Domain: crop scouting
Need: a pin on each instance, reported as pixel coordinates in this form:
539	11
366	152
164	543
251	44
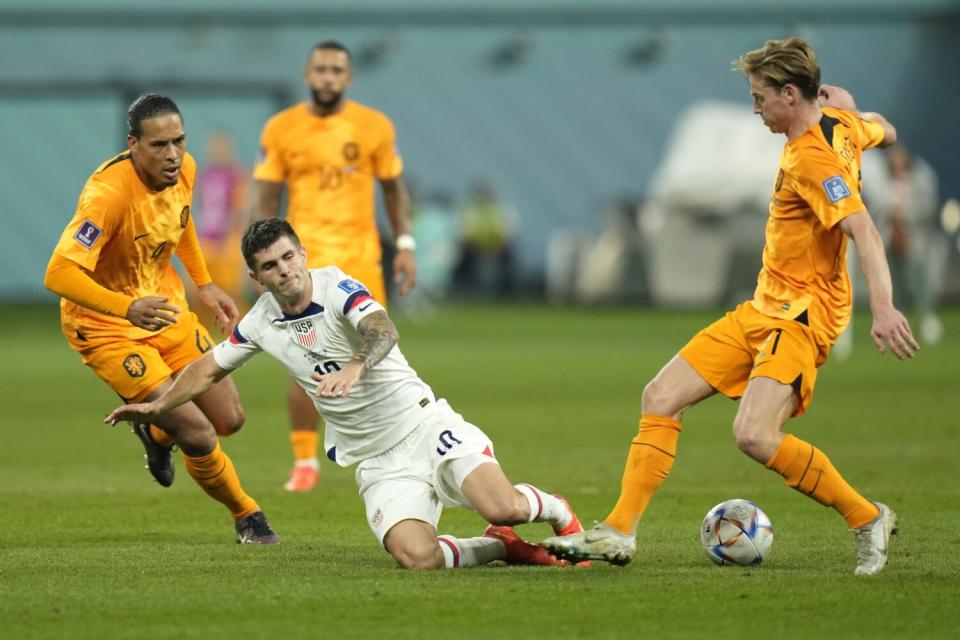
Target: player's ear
131	142
253	276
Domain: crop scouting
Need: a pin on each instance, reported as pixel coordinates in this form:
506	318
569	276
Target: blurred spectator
435	227
916	245
486	233
222	215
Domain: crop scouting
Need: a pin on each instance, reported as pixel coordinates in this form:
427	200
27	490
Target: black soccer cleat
159	460
254	529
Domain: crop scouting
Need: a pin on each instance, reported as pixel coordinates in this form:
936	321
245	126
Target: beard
328	103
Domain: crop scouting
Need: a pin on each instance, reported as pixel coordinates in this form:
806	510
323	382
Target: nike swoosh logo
142	235
364	307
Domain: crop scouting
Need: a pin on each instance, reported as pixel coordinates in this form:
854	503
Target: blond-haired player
328	151
123	307
767	351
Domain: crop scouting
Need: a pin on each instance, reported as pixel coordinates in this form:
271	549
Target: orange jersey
123	234
329	165
804	259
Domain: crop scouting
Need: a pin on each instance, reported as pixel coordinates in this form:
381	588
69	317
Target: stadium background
566	106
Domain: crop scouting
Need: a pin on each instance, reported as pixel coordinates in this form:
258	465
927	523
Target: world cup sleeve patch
88	234
836	188
350	286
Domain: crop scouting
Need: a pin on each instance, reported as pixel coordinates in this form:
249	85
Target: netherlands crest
184	216
134	365
305	333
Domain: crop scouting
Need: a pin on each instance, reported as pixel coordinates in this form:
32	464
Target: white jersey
384	406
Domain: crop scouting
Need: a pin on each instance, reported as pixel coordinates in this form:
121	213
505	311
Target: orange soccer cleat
303	477
519	551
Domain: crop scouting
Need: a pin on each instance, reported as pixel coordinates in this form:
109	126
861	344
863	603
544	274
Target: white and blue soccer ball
736	532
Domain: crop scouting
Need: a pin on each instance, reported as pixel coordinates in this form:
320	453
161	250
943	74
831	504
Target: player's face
282	269
158	152
773	105
328	75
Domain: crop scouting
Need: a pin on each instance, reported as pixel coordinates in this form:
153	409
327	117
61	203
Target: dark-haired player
328	151
123	307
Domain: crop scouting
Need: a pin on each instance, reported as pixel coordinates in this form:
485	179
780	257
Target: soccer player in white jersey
415	454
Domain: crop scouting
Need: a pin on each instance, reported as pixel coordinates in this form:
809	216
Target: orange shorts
135	368
746	344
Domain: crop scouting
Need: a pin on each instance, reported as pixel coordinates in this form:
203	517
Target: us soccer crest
305	333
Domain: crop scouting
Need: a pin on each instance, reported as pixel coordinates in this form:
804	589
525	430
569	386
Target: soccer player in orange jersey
328	151
123	307
767	351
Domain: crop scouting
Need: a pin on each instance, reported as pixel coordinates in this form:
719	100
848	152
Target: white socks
470	552
544	507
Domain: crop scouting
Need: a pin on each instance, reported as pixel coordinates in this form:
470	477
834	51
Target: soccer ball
736	532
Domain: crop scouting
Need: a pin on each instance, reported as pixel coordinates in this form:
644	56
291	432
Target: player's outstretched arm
379	337
890	328
196	379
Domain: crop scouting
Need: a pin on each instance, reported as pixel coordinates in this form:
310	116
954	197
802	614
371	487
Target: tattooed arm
379	337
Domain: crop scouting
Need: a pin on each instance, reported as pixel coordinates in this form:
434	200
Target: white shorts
421	474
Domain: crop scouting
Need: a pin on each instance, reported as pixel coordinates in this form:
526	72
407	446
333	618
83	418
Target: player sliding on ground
767	351
415	454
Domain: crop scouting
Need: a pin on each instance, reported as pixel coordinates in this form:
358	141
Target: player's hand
338	383
224	310
891	330
142	412
152	313
836	98
404	271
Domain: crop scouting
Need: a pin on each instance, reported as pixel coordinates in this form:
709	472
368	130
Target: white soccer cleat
871	541
602	542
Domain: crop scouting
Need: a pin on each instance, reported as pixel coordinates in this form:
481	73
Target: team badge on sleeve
836	188
350	286
88	234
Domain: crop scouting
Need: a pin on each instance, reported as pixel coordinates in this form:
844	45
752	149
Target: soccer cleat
519	551
573	527
302	478
871	541
602	542
254	529
159	460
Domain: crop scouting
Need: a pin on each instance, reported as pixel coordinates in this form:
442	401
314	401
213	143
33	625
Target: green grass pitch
90	547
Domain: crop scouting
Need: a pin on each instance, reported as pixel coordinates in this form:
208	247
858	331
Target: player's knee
228	421
196	440
752	439
509	510
657	399
419	557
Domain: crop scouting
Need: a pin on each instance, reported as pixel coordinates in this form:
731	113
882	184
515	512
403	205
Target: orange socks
650	459
809	471
160	436
215	474
304	444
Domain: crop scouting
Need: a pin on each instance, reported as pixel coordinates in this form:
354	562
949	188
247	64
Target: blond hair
782	62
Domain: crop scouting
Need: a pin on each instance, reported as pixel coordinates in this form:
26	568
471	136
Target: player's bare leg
672	391
211	467
413	544
503	504
765	407
221	405
304	438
